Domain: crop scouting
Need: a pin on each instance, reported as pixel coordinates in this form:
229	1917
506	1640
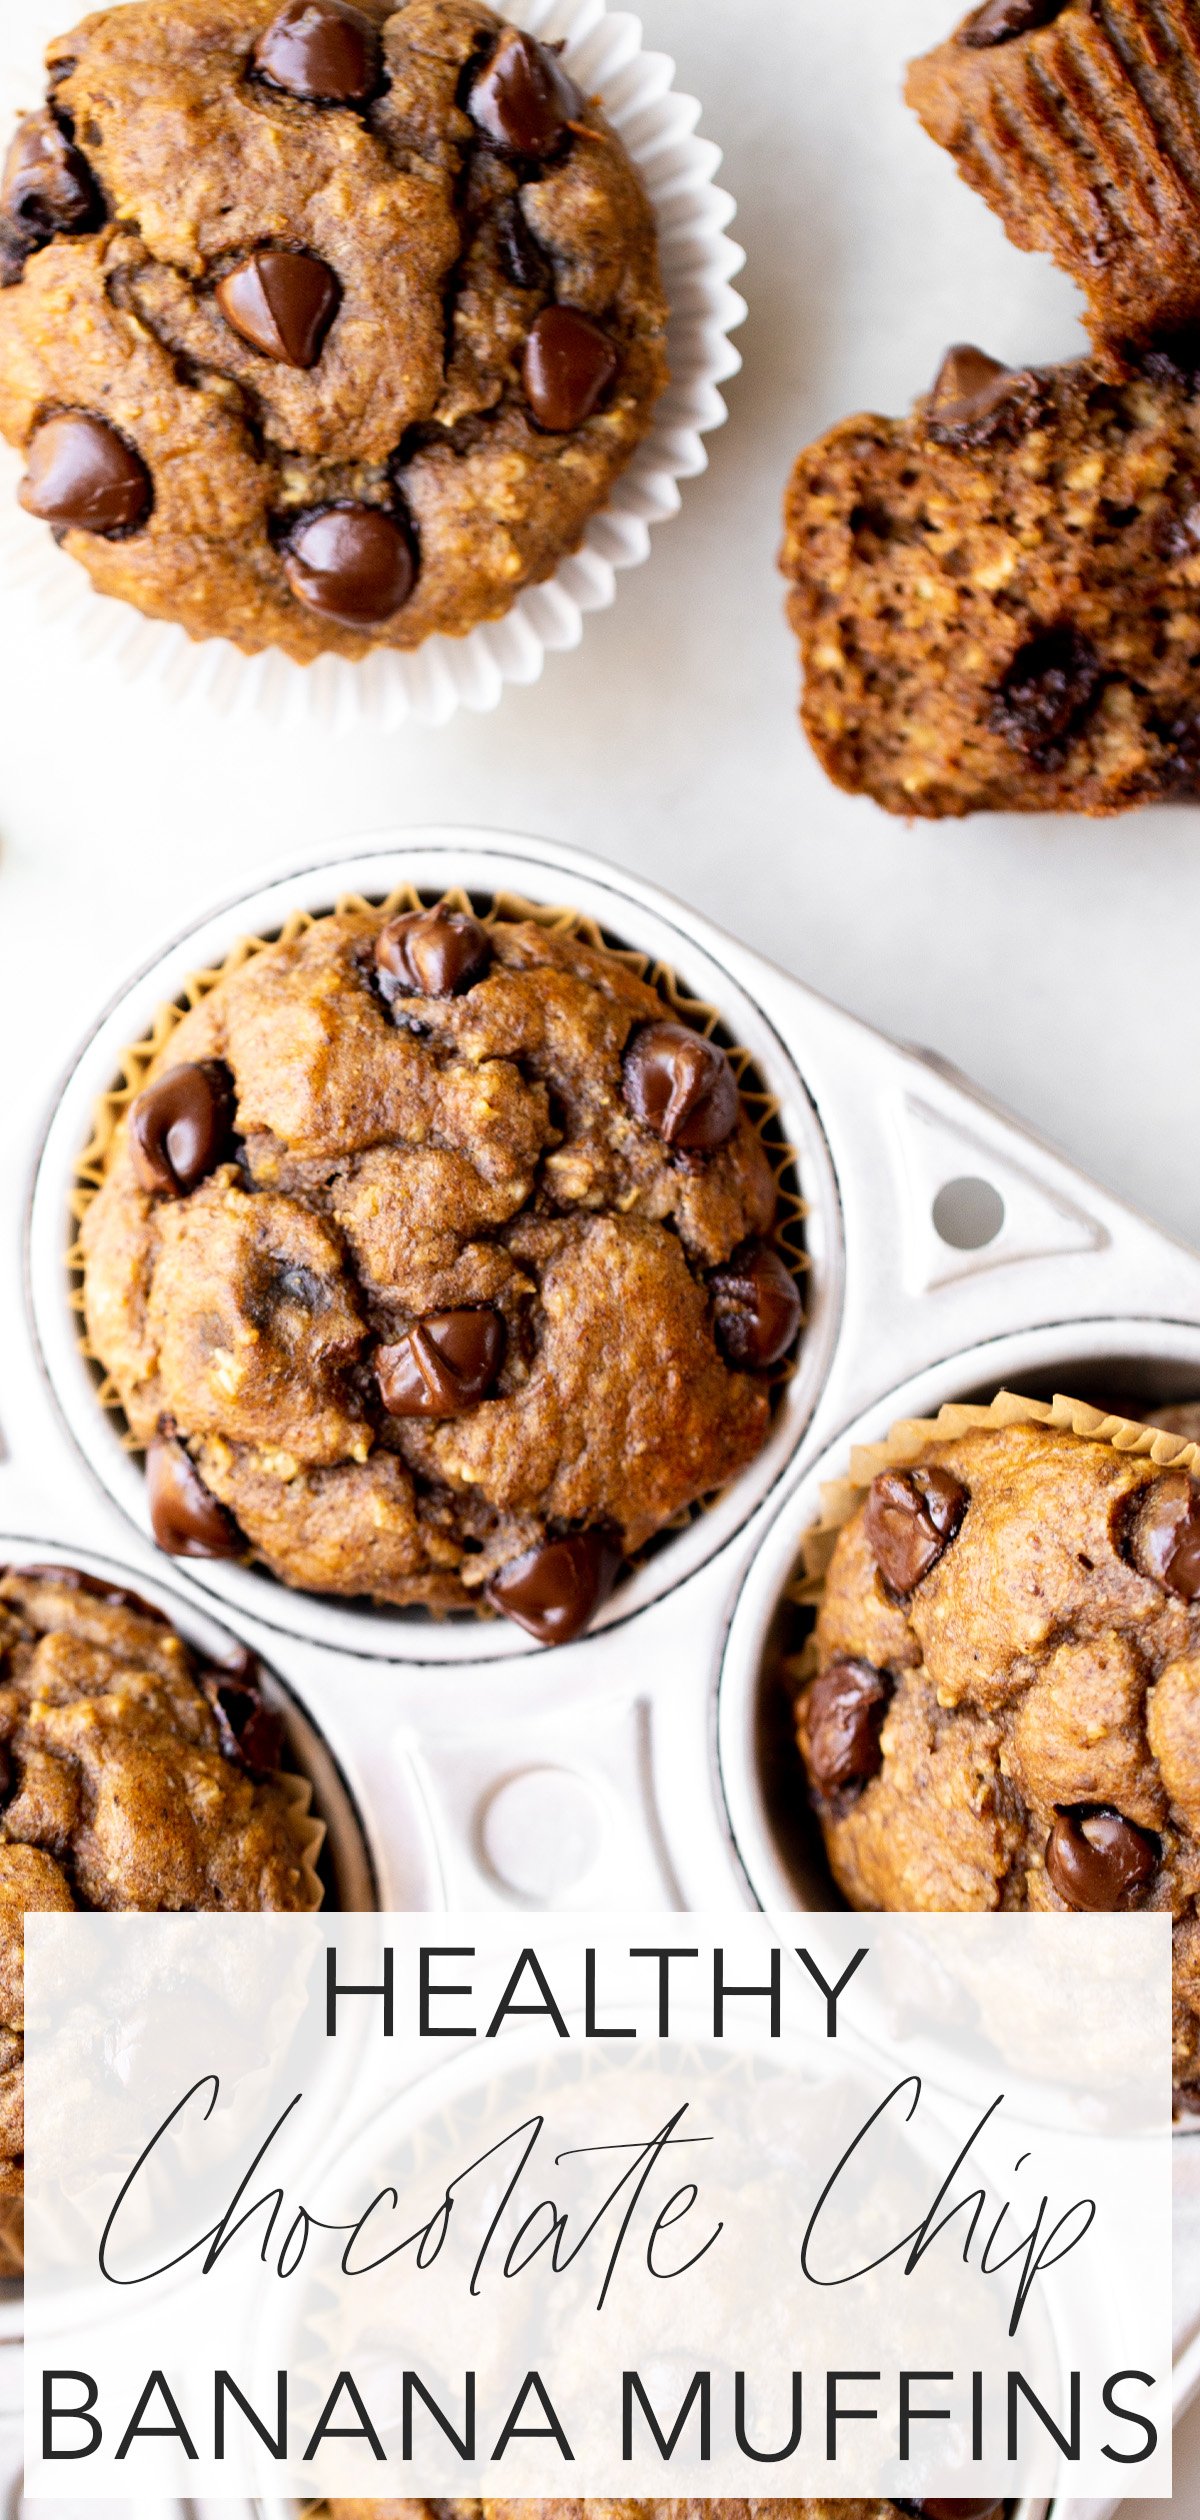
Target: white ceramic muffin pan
950	1252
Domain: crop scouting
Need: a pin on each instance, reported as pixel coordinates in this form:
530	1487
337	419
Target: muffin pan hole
968	1213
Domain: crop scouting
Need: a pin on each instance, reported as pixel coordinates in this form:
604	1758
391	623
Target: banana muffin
1079	123
432	1261
130	1777
1006	1707
934	2507
998	599
322	326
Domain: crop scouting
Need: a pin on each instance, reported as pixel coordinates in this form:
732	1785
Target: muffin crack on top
322	326
433	1262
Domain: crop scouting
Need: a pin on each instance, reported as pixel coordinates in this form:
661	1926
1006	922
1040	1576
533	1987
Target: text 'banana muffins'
1079	123
130	1777
934	2507
326	327
431	1262
1006	1712
998	599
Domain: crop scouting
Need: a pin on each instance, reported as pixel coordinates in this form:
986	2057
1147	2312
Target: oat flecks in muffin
129	1778
325	329
448	1297
998	599
1077	121
1030	1739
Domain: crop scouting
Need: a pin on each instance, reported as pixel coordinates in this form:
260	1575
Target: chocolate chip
524	100
7	1777
757	1307
520	253
443	1365
1046	693
554	1591
911	1518
1165	1534
569	365
250	1732
681	1086
955	2507
282	304
82	473
968	388
179	1127
73	1579
431	953
185	1519
1000	20
354	564
47	189
844	1715
321	50
1098	1861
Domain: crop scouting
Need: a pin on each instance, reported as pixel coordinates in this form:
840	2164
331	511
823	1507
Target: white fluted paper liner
699	260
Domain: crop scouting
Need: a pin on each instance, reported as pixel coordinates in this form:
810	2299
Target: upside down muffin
998	599
130	1777
433	1261
1006	1707
322	326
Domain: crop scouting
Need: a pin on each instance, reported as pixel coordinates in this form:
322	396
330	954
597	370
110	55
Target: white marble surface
1053	959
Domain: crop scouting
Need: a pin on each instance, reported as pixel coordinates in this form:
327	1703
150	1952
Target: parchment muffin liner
387	689
762	1108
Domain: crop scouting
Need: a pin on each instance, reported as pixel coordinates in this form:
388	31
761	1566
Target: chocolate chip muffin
432	1263
130	1777
1006	1707
976	2507
325	327
998	599
1079	123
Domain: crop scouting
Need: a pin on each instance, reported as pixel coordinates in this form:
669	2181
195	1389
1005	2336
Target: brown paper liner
908	1438
309	1833
760	1104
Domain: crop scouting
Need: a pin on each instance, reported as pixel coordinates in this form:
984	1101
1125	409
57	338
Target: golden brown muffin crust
1034	1676
444	250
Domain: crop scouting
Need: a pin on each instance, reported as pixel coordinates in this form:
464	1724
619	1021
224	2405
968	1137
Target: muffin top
129	1778
1007	1706
808	2508
430	1260
326	326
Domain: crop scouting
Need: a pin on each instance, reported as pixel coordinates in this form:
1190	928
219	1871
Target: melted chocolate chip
46	189
568	367
322	50
118	1597
1098	1861
443	1365
521	255
554	1591
757	1307
282	304
955	2507
82	473
681	1086
1046	694
179	1128
524	100
1164	1541
1000	20
968	389
250	1732
354	564
845	1711
431	953
186	1520
911	1518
